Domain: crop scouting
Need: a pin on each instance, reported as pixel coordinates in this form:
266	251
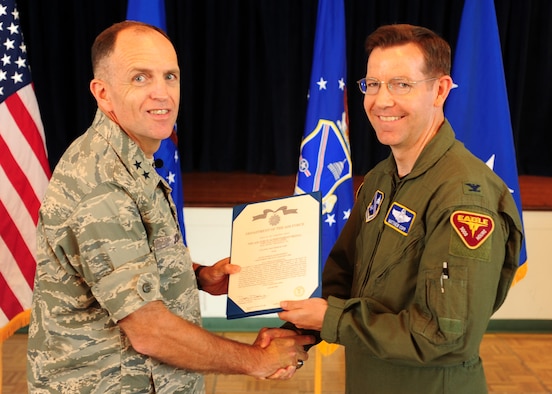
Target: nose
160	89
383	98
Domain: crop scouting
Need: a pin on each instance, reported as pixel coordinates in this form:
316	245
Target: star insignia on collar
146	174
138	164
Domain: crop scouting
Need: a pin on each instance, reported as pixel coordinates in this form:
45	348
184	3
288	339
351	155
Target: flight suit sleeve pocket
447	299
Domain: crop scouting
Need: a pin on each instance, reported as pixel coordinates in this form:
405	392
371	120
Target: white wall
530	298
208	231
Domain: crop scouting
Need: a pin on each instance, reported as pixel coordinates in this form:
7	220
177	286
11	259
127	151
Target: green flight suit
408	324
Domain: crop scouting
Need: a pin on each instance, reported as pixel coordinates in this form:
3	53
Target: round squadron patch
473	228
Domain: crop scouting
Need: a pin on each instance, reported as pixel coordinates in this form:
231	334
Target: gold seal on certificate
277	245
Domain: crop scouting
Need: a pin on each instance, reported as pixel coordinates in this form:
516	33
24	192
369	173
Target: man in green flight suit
431	246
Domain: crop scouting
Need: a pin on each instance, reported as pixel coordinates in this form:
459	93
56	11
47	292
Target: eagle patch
473	228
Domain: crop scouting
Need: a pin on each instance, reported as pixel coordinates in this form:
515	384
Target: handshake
276	352
284	353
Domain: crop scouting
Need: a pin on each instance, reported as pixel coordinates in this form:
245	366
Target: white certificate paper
277	245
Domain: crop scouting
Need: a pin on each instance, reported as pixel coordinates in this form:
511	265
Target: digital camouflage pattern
108	243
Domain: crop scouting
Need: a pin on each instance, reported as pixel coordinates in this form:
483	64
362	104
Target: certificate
277	245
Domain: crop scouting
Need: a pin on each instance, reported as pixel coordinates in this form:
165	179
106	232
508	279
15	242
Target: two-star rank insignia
473	228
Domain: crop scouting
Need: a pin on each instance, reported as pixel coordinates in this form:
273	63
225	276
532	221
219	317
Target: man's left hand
214	279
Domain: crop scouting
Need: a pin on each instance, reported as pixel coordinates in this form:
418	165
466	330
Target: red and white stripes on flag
24	174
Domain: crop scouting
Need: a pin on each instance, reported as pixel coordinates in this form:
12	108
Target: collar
132	157
432	152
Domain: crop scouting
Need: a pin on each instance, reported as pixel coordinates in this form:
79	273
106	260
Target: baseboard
521	326
254	324
251	324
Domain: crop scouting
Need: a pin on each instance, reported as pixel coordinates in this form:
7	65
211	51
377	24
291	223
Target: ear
99	90
443	90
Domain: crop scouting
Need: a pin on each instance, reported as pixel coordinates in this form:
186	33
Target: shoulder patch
400	218
473	228
372	210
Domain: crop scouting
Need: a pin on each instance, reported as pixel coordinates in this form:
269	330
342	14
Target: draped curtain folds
245	73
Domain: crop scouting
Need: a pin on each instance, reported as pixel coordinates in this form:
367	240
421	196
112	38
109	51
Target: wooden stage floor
514	363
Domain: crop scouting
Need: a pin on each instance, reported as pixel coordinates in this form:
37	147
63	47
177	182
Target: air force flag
325	162
168	167
478	108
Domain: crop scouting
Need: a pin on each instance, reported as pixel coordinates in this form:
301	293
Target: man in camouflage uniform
432	243
115	305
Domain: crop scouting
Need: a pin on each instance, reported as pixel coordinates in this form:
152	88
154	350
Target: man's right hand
285	348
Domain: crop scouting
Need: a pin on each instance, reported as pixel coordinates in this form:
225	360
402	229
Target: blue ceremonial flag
148	11
153	12
325	162
478	108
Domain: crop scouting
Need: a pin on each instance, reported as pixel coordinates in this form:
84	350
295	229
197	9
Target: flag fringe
520	273
327	349
19	321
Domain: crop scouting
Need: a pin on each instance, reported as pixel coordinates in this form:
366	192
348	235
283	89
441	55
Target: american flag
24	174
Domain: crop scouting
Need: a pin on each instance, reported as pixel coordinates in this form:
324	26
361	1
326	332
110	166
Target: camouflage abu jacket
108	243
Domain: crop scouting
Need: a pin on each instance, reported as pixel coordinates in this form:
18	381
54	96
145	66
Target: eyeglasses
395	85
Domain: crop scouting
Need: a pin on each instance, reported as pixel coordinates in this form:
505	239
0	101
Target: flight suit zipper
396	185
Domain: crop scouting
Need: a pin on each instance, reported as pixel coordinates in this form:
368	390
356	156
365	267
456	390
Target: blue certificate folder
279	223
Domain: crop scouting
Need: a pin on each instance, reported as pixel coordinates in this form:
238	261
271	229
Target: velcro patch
372	210
473	228
400	218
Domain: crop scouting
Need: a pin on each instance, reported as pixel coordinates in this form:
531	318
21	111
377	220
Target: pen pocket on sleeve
447	299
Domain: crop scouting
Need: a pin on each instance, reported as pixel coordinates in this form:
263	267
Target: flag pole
325	160
1	365
317	372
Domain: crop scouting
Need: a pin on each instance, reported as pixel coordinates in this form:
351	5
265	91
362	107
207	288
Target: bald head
104	44
137	81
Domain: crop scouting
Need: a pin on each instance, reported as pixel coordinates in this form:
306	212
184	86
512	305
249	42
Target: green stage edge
254	324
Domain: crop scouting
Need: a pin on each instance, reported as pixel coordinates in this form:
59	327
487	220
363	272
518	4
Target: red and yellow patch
473	228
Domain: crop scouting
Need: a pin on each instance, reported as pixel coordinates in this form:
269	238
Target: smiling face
406	122
138	86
